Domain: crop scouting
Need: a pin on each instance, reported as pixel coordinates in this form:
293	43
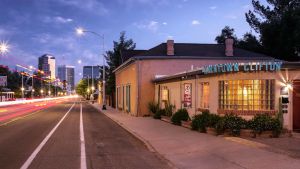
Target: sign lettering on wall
246	67
187	97
3	80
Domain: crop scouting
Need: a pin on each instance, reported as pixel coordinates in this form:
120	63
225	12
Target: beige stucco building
134	78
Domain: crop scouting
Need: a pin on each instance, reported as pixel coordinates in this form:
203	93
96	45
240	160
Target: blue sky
35	27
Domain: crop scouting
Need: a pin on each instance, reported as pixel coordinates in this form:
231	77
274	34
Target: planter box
186	124
166	119
265	134
211	131
247	133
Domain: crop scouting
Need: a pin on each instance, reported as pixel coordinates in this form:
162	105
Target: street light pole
81	31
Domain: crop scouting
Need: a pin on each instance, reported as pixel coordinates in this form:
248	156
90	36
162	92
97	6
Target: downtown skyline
33	28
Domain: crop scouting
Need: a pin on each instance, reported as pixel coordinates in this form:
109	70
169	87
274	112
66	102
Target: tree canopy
226	32
279	27
114	60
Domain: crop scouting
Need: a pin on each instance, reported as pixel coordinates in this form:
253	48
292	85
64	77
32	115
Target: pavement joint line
146	143
82	143
41	145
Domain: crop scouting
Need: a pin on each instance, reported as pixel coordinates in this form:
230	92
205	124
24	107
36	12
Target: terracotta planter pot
247	133
211	131
186	124
166	119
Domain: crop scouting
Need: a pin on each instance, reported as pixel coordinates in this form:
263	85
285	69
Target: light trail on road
11	111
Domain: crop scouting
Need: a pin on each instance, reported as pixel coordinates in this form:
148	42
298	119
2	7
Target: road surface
70	135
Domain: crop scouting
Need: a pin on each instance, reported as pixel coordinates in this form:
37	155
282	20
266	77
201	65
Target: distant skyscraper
87	72
47	64
67	73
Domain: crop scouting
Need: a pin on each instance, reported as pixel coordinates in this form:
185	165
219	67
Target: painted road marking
82	143
38	149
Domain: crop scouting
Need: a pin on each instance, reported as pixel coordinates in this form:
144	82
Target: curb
146	143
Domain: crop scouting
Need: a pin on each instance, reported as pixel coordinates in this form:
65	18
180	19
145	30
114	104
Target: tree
226	32
279	27
81	87
250	42
114	60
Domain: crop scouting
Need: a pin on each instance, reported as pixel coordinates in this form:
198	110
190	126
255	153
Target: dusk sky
35	27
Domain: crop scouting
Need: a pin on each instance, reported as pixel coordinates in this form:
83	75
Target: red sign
187	96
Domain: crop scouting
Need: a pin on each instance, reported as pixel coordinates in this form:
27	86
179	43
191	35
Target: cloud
149	25
165	23
56	19
195	22
62	20
213	7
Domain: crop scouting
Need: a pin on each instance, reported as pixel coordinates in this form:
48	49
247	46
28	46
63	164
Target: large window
246	94
204	95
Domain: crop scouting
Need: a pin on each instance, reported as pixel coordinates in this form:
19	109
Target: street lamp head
79	31
32	90
22	89
79	61
42	91
4	47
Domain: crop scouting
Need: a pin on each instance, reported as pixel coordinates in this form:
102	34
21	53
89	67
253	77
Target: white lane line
82	142
41	145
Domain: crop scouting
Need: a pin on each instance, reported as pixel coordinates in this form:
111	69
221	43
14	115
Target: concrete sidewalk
188	149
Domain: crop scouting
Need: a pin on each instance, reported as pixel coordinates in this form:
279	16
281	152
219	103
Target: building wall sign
246	67
187	97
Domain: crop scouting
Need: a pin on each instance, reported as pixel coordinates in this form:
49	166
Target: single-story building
134	78
244	89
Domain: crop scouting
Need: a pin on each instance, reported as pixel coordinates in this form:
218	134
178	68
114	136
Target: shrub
220	126
233	123
264	122
159	113
213	120
180	115
201	121
153	107
169	108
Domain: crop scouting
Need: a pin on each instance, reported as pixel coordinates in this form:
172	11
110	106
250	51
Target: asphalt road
71	135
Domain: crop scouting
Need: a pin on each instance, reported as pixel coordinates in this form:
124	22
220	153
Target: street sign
3	80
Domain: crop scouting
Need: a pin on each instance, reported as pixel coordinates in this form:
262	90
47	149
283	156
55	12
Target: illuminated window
246	94
204	94
165	94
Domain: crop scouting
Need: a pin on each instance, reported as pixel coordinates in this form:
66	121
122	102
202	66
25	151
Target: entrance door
296	105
